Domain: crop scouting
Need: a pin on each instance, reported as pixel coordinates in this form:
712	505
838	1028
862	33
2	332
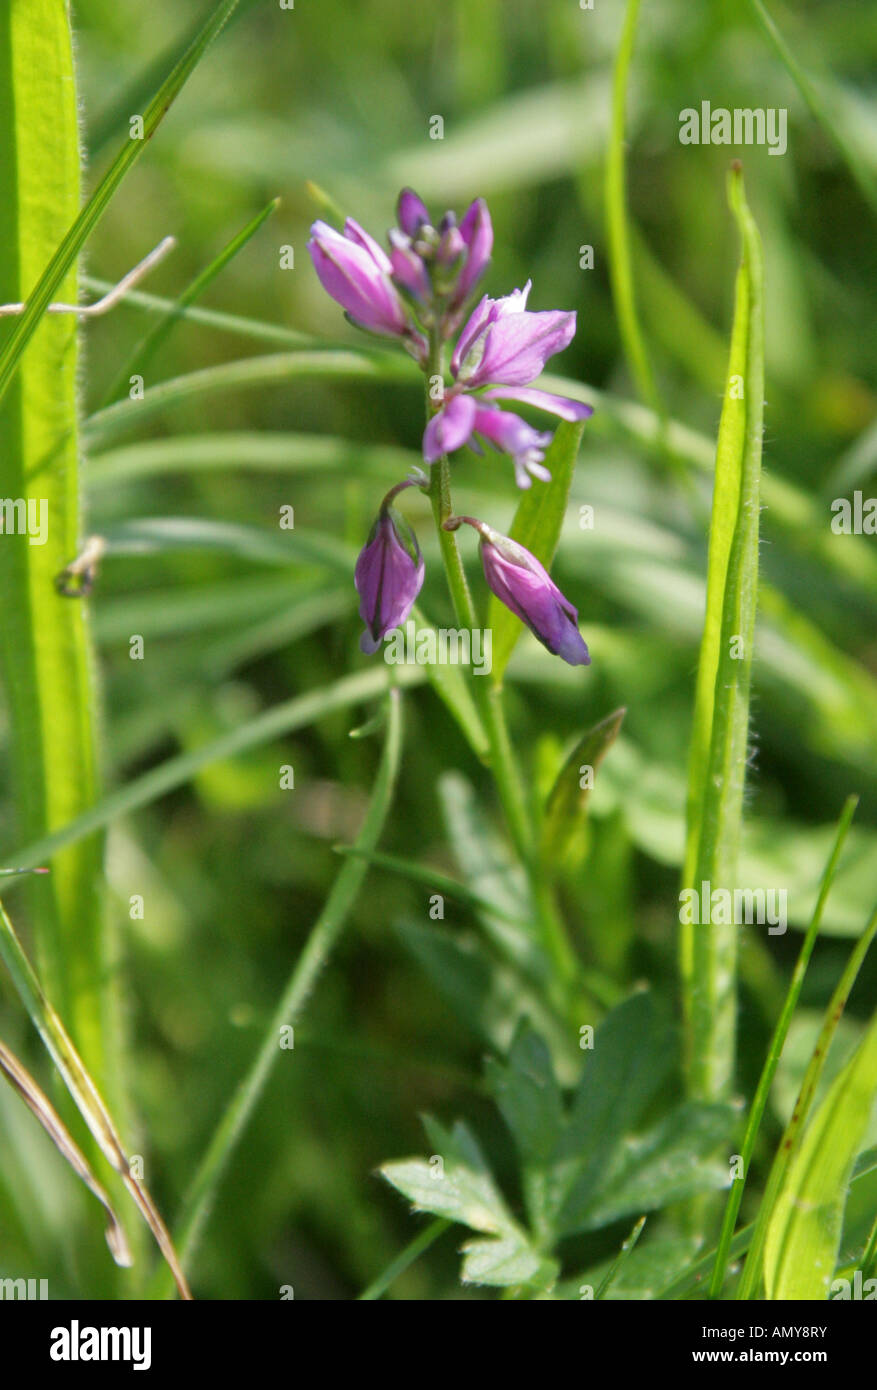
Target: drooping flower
504	346
524	585
357	273
389	573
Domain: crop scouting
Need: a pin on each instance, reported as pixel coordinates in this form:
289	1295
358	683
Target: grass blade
721	716
326	364
159	333
618	242
421	1242
792	1136
274	723
759	1103
320	943
803	1237
40	1106
818	108
83	1090
45	653
64	258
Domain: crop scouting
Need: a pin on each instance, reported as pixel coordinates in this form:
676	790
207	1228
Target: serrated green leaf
506	1262
631	1058
459	1187
537	525
665	1165
529	1098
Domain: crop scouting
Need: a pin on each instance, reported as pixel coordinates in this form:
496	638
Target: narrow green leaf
175	772
620	1260
421	1242
537	526
159	333
719	747
618	241
803	1238
566	807
321	941
328	364
820	107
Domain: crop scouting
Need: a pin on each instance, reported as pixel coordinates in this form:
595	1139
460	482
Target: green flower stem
488	696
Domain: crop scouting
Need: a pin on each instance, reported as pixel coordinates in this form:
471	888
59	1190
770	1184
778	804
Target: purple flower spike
525	586
476	231
389	574
356	272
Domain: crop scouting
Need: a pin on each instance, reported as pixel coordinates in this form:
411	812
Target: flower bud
388	576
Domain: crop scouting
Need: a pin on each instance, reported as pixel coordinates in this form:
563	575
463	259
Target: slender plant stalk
759	1103
421	1242
503	763
620	269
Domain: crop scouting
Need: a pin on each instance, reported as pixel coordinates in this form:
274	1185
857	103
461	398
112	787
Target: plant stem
488	696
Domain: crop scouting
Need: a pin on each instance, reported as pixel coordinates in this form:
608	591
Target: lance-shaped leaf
566	808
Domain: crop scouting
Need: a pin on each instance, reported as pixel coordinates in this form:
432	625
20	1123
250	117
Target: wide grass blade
721	715
45	652
804	1234
791	1140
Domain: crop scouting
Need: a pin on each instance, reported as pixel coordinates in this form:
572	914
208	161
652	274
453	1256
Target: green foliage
583	1164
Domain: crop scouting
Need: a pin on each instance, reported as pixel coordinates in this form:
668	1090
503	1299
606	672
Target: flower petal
411	212
450	428
561	406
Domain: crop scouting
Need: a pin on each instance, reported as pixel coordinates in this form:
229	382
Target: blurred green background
233	870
